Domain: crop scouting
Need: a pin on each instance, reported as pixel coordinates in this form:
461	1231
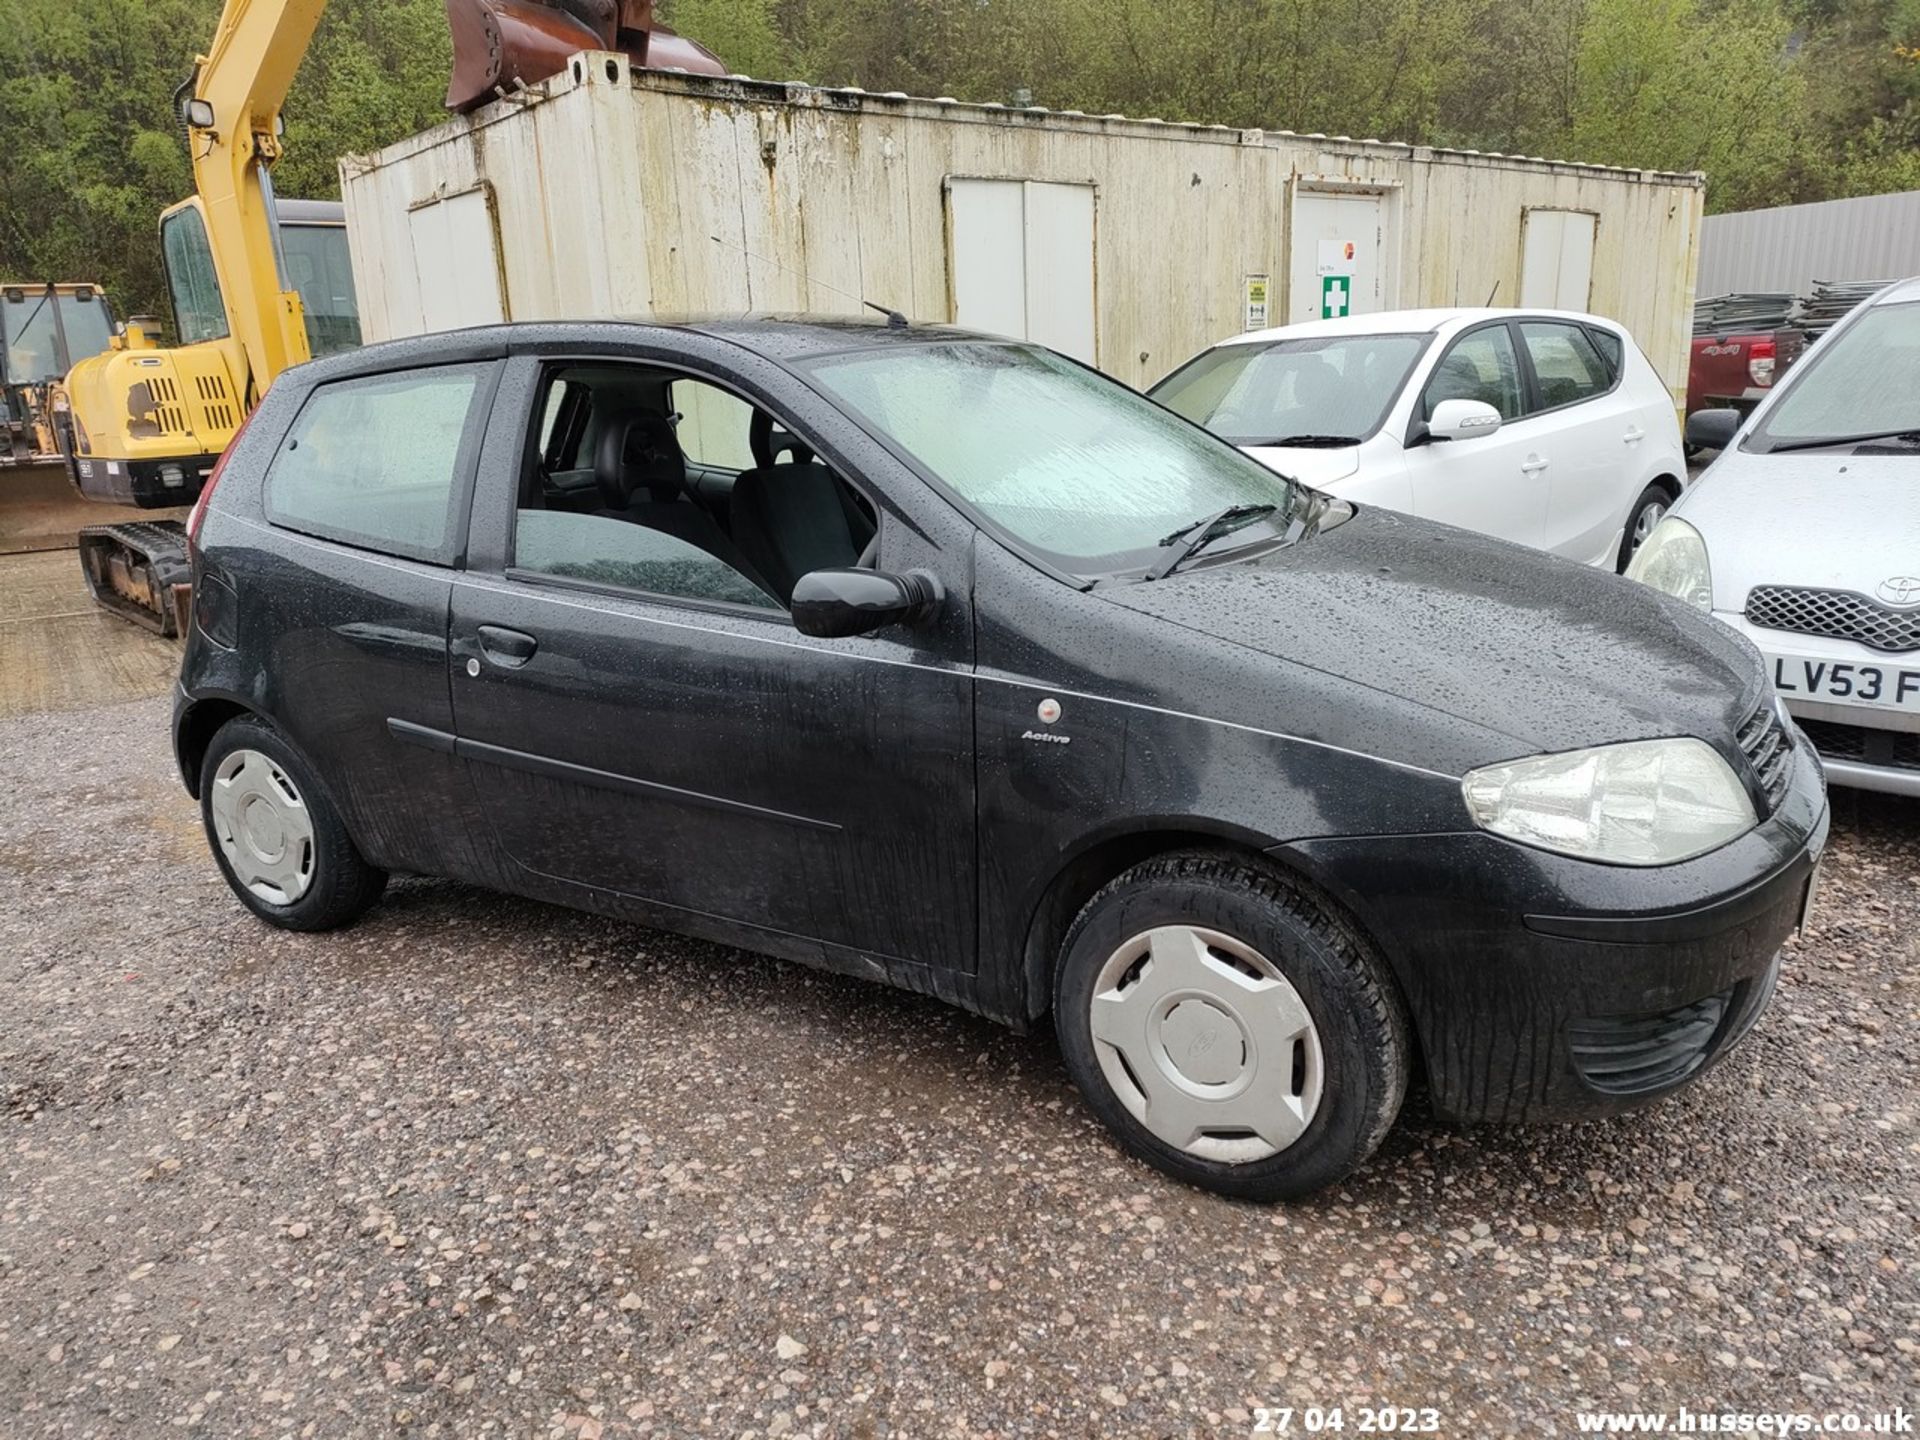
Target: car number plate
1848	682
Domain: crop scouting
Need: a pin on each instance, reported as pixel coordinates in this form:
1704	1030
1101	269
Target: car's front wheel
1229	1028
1647	513
277	838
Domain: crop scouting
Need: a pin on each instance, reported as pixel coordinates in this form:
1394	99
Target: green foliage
1777	100
94	152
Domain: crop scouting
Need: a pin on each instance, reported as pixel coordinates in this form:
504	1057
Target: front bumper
1863	746
1547	988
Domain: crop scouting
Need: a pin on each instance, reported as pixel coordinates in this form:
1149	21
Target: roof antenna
1493	292
895	320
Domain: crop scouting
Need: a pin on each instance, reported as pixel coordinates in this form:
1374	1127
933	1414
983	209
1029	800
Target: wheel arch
193	731
1104	858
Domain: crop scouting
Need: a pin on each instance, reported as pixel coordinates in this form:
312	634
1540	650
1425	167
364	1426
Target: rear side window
1480	366
379	462
1565	363
1610	348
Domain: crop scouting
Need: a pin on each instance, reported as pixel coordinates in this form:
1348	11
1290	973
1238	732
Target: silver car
1804	535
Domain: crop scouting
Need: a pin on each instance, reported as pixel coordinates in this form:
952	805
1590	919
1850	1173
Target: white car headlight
1648	802
1673	560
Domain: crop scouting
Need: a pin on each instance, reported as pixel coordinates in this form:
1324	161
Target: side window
1565	363
375	462
1610	348
1480	366
195	289
631	513
715	426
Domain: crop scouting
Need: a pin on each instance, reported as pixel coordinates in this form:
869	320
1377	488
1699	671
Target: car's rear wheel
1647	513
1229	1028
276	837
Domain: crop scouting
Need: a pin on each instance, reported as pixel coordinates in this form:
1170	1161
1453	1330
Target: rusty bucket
504	45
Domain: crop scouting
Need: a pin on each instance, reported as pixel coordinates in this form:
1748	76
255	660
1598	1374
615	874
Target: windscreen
1320	391
1865	383
88	324
27	326
1089	473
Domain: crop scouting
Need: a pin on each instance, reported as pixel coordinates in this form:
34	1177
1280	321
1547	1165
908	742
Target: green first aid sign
1336	296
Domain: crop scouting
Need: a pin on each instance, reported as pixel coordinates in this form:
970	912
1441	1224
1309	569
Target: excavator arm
231	107
145	424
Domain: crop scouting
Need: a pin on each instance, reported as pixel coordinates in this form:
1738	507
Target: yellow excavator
256	284
44	329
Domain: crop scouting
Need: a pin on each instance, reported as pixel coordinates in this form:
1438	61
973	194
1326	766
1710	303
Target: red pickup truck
1736	368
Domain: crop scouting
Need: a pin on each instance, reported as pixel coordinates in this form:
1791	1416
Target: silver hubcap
263	827
1207	1044
1649	517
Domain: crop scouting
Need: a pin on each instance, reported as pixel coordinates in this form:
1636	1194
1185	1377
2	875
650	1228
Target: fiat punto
946	662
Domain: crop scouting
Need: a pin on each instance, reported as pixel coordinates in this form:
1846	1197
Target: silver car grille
1836	614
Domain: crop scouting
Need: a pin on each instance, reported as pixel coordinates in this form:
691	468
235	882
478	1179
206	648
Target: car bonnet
1548	654
1826	520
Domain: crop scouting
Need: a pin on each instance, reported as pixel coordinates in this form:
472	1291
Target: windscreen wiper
1189	540
1308	442
1910	435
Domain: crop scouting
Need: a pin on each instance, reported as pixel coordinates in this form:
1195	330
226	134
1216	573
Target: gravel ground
481	1167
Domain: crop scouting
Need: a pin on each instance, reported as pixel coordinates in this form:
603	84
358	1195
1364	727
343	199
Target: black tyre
1229	1028
1648	511
276	836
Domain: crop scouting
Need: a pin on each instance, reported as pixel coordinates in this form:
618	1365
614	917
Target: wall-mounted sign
1336	257
1336	296
1258	291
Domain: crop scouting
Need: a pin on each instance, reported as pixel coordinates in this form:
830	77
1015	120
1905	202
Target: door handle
511	648
1635	435
1532	466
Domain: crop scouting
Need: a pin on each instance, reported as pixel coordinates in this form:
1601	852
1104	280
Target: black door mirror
830	604
1712	429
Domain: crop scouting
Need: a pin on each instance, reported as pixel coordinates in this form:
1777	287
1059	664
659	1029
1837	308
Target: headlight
1673	560
1650	802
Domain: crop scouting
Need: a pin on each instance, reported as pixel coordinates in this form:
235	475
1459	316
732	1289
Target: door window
198	313
1565	364
375	462
1480	366
612	496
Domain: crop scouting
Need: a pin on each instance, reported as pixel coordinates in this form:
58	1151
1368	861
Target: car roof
1407	322
1899	292
783	339
795	337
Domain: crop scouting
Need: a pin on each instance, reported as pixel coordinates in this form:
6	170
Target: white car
1805	537
1539	426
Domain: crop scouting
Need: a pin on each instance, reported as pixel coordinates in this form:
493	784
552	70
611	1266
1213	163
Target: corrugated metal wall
609	191
1872	237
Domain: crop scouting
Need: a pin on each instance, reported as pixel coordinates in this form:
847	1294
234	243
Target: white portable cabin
613	191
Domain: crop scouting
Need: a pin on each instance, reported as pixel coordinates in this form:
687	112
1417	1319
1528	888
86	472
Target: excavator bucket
500	46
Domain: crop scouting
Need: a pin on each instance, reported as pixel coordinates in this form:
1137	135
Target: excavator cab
44	330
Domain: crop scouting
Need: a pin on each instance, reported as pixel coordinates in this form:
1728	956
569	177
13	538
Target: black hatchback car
945	661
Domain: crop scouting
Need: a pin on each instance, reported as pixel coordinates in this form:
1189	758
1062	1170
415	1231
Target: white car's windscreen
1334	390
1864	385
